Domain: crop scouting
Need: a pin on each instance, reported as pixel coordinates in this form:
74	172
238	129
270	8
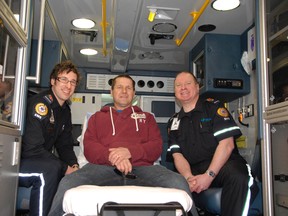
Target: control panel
228	83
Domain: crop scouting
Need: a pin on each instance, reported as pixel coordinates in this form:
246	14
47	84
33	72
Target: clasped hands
199	183
120	158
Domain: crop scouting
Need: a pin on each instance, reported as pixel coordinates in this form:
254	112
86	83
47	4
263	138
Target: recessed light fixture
88	51
83	23
225	5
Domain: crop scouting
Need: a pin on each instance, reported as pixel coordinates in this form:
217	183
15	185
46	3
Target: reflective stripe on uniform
226	130
40	175
250	183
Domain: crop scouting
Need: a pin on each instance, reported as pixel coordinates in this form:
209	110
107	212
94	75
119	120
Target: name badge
175	124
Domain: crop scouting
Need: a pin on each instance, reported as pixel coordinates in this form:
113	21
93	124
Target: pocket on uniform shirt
205	127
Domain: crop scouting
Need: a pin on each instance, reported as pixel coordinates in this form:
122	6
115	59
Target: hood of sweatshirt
134	112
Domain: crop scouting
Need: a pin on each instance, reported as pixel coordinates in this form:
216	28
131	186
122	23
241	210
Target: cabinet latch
281	177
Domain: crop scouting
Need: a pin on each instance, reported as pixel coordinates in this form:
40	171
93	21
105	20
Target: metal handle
16	150
40	45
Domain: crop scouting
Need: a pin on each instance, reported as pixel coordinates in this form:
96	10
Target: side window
8	62
13	46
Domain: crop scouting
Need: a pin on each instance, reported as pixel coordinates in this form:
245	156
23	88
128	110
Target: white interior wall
251	131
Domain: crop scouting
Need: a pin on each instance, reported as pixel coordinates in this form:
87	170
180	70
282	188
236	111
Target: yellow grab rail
195	15
104	25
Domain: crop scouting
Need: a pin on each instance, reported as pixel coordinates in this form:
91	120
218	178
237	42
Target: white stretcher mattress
88	199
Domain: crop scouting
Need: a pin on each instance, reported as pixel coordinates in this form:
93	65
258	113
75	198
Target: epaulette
48	98
212	100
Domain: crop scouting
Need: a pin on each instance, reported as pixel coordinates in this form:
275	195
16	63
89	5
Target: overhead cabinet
216	63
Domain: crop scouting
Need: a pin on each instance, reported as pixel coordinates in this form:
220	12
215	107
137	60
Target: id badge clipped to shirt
175	124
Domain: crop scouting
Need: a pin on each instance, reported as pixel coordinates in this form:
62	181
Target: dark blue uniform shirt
48	126
196	134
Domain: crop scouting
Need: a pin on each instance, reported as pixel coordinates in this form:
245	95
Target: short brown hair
122	76
65	66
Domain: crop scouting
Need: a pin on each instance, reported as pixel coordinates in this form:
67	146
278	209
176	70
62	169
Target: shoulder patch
222	112
41	109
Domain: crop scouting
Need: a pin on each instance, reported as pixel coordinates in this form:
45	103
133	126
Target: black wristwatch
211	173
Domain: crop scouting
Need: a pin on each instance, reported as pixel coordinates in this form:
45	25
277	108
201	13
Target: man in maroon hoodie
121	144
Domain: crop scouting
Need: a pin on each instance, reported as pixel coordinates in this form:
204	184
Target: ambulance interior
179	38
153	40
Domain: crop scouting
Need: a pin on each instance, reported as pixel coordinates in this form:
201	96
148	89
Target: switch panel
228	83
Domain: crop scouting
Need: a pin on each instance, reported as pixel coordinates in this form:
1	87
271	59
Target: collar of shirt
198	108
55	103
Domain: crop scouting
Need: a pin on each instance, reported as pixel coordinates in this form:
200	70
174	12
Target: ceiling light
225	5
83	23
152	14
88	51
162	15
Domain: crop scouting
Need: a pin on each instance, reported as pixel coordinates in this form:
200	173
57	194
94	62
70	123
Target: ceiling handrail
195	15
104	25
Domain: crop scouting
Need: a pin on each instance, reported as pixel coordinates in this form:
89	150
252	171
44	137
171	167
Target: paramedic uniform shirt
197	133
48	125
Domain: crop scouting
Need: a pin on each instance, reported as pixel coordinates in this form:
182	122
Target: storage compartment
216	63
279	146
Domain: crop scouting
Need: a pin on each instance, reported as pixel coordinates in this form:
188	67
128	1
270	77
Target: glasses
65	80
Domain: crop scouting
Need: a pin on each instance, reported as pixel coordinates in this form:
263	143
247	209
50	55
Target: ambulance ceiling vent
151	55
164	27
143	83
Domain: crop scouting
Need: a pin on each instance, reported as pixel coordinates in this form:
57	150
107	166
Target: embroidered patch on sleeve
222	112
41	109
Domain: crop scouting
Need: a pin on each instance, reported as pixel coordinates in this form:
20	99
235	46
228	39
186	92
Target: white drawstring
136	123
112	122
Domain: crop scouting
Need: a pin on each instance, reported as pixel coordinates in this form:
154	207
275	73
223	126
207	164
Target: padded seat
89	199
210	199
23	198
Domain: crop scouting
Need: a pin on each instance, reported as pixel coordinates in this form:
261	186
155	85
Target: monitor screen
163	108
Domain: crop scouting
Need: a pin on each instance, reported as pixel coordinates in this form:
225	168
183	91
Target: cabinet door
9	167
277	32
279	147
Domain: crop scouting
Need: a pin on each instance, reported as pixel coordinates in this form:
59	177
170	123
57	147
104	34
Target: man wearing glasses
47	134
